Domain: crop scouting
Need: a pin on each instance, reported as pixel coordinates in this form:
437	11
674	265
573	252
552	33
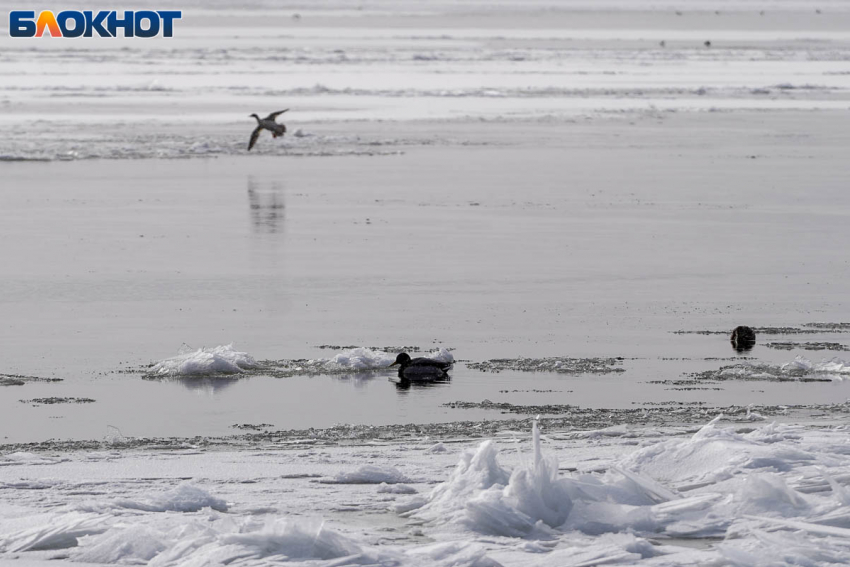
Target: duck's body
421	368
267	123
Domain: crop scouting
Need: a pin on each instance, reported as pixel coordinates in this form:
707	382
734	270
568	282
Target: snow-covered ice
834	367
222	359
715	496
363	358
370	474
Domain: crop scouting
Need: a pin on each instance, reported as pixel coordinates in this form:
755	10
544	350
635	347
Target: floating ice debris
437	448
393	349
507	407
252	426
223	359
370	474
55	400
812	328
114	436
800	368
790	345
832	366
753	415
561	365
829	326
385	488
184	498
20	380
360	358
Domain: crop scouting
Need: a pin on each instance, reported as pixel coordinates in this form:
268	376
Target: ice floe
222	359
349	361
361	358
370	474
762	495
369	359
184	498
385	488
834	366
801	368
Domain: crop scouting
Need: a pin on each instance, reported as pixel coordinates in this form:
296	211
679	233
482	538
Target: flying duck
267	123
420	368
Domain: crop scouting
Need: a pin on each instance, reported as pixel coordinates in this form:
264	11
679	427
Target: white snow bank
223	359
832	366
370	474
184	498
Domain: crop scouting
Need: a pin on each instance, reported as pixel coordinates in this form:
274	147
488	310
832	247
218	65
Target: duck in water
743	338
420	368
267	123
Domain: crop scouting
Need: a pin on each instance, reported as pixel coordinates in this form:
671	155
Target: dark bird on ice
267	123
420	368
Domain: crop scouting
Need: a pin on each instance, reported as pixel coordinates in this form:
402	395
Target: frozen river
578	201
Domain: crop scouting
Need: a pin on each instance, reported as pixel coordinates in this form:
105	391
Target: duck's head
254	116
402	359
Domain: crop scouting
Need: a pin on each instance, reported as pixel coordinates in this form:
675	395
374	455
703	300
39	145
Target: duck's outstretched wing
274	115
254	135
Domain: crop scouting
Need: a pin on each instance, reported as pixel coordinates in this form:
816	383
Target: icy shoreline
641	496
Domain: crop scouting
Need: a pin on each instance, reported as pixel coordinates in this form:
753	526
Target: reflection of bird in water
420	369
267	123
404	385
267	206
